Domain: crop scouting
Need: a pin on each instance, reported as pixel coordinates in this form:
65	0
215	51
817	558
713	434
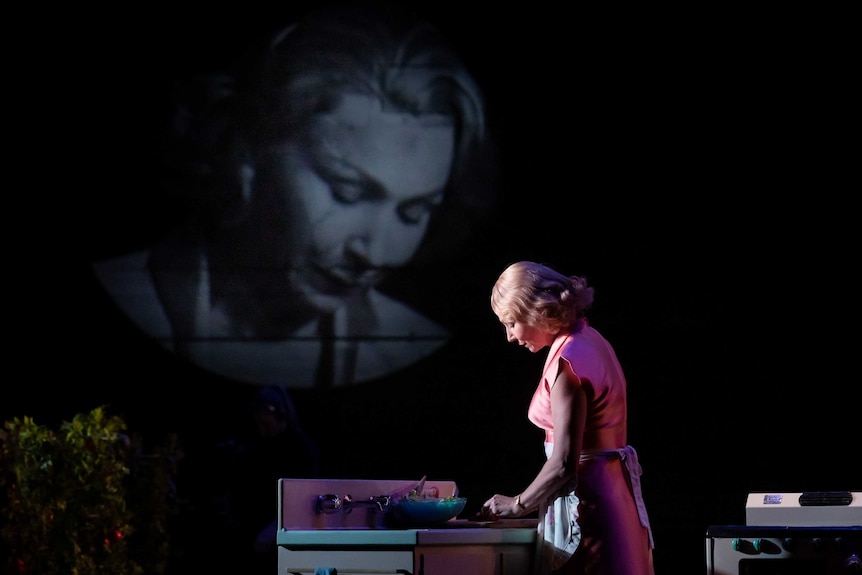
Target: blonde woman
592	518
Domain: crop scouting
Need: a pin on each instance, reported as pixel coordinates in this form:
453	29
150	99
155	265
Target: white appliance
811	533
814	509
339	525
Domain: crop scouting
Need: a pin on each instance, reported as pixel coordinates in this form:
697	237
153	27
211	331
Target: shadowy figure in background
350	147
275	446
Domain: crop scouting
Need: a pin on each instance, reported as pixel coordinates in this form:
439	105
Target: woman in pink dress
592	518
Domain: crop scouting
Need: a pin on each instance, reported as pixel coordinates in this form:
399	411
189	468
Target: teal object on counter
427	512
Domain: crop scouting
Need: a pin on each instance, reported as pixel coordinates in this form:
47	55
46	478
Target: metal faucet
381	502
331	503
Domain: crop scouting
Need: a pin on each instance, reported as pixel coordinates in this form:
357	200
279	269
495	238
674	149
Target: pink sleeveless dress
598	525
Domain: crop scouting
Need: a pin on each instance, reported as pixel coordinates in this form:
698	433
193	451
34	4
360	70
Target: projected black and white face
362	186
320	172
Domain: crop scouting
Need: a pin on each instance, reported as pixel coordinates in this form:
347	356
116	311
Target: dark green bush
83	500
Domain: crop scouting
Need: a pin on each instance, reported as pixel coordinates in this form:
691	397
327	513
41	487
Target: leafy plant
83	500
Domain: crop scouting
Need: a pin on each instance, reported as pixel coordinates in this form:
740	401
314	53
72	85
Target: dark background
695	166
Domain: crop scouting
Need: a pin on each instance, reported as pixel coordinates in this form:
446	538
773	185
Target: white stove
339	526
813	509
812	533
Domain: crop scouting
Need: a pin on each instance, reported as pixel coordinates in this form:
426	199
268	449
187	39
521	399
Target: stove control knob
840	543
853	564
817	544
743	546
757	543
789	544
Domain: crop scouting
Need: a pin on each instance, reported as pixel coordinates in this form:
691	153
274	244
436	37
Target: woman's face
360	188
530	337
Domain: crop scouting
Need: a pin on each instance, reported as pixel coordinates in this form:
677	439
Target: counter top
454	532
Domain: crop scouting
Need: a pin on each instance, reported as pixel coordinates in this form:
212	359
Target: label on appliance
772	499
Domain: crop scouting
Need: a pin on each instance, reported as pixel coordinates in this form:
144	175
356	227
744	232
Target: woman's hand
501	506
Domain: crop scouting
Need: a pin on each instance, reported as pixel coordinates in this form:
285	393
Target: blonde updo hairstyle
538	296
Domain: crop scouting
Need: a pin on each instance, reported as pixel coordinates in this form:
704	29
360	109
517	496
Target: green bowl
427	512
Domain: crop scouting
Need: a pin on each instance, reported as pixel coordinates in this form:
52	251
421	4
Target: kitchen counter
341	524
456	531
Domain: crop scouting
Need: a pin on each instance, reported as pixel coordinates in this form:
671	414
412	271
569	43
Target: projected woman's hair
351	147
